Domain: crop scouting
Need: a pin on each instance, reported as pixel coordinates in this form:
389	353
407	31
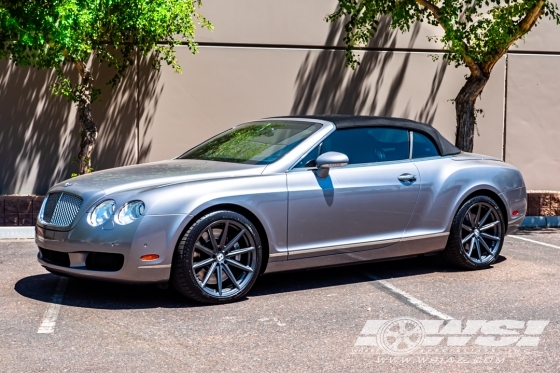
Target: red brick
25	205
25	219
1	220
533	204
555	204
545	205
11	219
37	203
11	204
34	220
2	205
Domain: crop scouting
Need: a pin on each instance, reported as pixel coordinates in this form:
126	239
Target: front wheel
218	259
477	234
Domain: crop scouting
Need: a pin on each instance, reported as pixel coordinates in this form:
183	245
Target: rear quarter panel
446	183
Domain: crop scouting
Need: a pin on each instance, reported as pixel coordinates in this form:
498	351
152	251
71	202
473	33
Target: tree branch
436	11
523	27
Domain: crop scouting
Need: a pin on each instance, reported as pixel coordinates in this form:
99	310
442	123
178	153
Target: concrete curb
541	222
17	232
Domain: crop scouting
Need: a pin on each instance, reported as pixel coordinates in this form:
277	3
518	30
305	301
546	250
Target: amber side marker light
515	213
149	257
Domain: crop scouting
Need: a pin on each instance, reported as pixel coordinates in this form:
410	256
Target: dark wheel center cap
220	257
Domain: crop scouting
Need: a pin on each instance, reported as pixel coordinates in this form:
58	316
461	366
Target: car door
429	217
358	207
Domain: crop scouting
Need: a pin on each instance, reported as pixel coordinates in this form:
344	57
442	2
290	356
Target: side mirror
329	160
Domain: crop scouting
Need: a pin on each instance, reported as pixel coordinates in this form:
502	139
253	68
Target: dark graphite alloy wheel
218	259
477	234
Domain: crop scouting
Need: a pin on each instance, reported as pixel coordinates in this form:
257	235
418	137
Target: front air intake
104	262
55	257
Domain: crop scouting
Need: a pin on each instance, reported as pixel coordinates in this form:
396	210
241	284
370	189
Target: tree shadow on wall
39	133
324	85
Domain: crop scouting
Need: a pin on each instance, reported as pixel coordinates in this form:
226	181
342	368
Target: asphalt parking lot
503	319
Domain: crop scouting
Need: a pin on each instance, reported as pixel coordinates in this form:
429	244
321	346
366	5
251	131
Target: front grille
60	209
55	257
104	262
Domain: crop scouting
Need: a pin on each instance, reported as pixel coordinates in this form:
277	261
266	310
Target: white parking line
51	313
414	301
537	242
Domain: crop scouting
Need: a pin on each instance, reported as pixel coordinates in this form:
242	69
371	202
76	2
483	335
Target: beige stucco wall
279	58
233	85
533	119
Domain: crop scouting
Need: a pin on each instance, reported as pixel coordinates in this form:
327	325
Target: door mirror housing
329	160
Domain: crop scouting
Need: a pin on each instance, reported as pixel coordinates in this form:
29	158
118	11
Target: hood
158	173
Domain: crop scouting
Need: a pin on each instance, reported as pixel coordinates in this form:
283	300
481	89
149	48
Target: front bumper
70	253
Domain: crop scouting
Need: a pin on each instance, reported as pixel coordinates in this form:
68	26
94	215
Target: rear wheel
477	234
218	259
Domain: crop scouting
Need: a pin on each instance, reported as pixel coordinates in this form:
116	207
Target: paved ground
295	322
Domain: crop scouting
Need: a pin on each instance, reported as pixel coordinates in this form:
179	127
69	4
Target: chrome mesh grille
60	209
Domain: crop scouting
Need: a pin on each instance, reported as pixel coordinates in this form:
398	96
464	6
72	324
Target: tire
477	234
203	250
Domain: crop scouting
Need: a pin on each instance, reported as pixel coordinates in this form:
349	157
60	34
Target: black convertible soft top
356	121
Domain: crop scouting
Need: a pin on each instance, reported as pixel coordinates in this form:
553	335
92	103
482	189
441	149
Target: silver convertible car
282	194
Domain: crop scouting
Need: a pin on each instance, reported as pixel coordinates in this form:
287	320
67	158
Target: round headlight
102	213
129	212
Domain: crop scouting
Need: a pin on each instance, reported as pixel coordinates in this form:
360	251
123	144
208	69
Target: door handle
407	178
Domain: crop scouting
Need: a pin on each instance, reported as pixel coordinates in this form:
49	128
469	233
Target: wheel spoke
478	250
224	235
477	215
203	263
486	235
219	276
488	226
471	245
240	251
467	228
234	241
486	247
204	249
212	239
469	236
239	265
208	274
485	217
230	275
471	219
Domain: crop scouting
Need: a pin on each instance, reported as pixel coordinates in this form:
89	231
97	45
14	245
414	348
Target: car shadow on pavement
105	295
529	231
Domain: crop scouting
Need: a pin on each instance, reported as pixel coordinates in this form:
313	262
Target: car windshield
258	143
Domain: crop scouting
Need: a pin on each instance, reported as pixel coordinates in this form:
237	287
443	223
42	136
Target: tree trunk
466	112
89	130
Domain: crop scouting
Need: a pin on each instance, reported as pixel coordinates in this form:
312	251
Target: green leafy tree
476	34
50	34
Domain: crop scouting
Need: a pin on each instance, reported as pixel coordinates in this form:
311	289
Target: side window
392	144
363	145
423	147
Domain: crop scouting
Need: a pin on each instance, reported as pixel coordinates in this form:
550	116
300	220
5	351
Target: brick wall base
19	210
543	203
23	210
